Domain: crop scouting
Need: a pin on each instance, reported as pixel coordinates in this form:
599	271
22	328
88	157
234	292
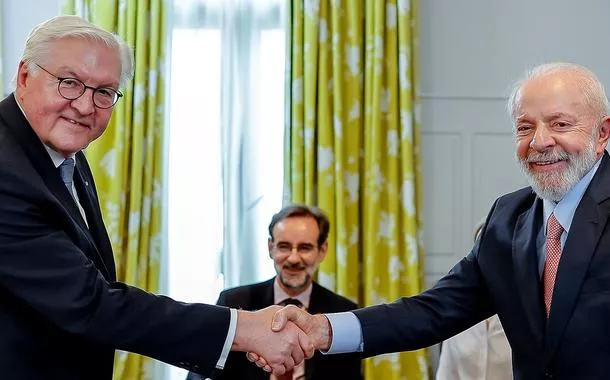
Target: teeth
72	121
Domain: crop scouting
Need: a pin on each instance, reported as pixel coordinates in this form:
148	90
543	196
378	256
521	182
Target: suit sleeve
458	301
42	268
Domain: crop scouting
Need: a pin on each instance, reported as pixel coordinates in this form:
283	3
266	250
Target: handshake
277	338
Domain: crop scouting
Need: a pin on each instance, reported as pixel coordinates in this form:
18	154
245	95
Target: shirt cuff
346	333
229	341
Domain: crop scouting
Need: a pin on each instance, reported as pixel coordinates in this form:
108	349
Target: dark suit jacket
62	313
501	275
320	367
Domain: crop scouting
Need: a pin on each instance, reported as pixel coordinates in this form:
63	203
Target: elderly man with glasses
62	311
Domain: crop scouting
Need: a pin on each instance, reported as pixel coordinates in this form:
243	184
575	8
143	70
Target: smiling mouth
293	271
74	122
544	163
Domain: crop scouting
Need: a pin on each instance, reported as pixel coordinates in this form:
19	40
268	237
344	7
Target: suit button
548	375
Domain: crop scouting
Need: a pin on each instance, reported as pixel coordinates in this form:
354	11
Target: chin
293	283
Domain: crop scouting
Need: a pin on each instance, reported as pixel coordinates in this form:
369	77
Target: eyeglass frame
289	248
85	87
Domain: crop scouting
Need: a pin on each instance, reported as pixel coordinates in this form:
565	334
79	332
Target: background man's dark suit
61	312
501	275
320	367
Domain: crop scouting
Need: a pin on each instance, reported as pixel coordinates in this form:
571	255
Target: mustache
295	267
547	156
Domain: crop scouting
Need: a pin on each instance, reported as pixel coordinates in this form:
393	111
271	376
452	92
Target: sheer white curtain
225	144
252	135
251	37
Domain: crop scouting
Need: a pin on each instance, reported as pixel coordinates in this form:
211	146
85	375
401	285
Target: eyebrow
72	74
553	116
522	117
301	243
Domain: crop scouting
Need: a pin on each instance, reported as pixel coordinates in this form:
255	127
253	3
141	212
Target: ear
604	134
323	250
22	75
270	247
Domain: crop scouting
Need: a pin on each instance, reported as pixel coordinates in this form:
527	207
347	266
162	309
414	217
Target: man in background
297	245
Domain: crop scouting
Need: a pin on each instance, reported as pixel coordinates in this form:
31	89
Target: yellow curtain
352	147
127	161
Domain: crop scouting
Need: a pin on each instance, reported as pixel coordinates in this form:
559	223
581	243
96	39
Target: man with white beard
542	262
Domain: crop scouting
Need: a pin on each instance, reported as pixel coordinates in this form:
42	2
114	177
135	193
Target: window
204	34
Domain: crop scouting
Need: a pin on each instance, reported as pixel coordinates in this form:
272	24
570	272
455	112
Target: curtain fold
245	26
127	161
352	148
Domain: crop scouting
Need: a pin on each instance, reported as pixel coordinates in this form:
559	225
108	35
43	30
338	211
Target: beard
298	281
554	186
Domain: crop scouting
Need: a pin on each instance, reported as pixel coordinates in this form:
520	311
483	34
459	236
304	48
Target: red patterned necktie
553	254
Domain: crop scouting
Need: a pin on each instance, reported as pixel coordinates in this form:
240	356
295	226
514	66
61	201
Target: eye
305	248
106	92
284	247
562	124
70	83
523	129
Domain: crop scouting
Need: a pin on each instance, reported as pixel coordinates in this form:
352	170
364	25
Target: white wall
18	18
471	52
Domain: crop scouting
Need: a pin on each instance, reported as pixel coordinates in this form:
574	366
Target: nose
542	139
294	256
84	103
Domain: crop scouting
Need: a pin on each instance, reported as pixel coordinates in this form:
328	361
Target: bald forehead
538	89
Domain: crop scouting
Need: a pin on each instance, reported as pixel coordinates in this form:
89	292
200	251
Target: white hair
38	45
592	89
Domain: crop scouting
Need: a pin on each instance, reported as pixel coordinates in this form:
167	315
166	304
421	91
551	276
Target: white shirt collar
279	294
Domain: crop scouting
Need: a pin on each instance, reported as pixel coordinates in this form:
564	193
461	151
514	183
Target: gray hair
38	44
592	89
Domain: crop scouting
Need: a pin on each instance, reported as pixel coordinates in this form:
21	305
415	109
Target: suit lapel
316	301
42	163
585	231
526	267
268	295
88	199
39	158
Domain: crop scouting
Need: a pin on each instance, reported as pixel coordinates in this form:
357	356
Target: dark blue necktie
66	171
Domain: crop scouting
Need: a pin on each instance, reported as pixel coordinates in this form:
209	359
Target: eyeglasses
72	88
302	249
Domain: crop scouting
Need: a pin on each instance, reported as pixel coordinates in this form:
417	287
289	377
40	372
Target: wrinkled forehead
86	57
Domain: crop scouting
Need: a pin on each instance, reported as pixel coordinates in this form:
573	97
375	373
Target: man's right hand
281	349
317	326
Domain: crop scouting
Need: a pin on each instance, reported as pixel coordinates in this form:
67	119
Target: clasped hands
277	339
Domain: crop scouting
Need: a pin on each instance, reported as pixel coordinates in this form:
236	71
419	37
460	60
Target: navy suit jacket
320	367
500	275
62	312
